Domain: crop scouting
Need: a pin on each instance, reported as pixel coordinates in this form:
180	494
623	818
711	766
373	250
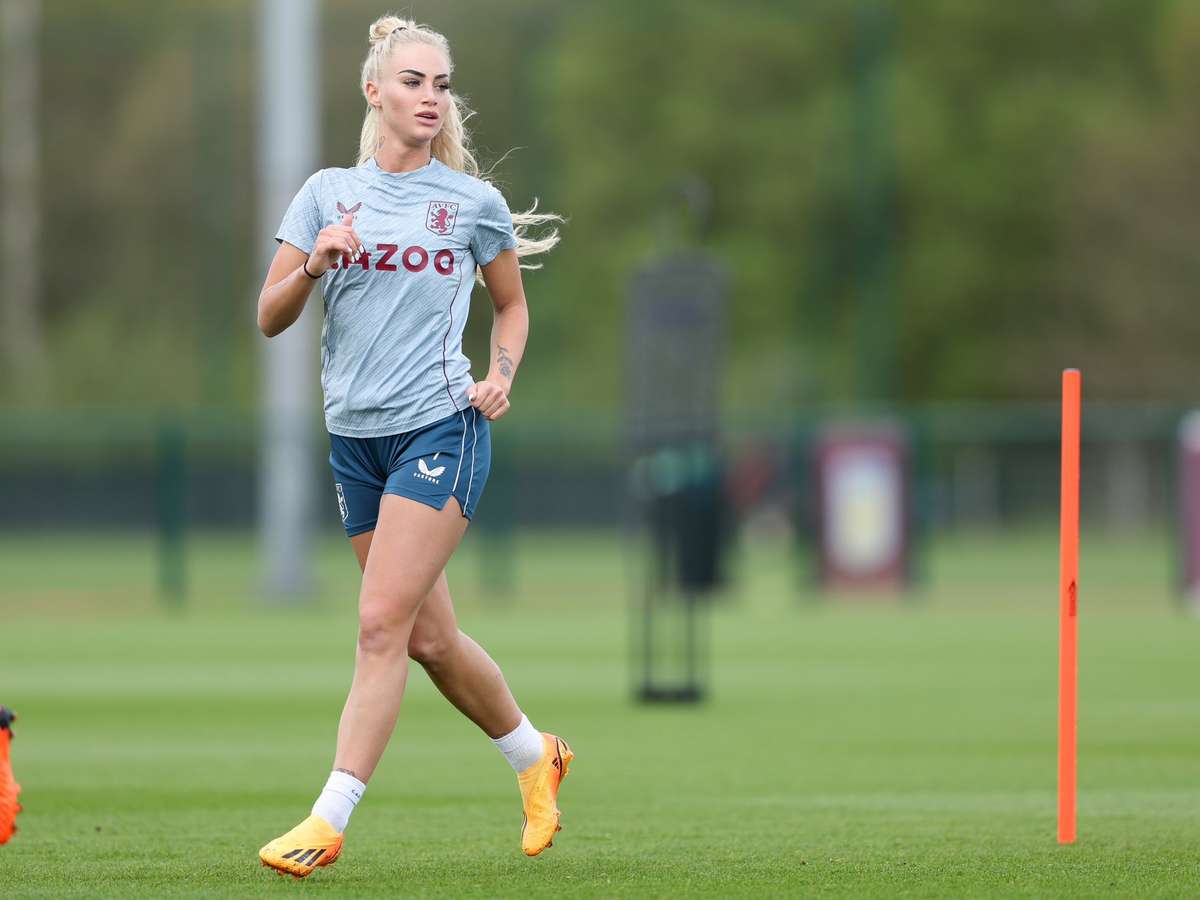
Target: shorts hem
427	501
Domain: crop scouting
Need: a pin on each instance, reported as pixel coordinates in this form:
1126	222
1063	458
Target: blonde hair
452	146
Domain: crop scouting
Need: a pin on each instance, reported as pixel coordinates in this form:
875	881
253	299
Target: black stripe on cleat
313	861
293	853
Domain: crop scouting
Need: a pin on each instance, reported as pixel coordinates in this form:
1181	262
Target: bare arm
287	287
510	330
285	291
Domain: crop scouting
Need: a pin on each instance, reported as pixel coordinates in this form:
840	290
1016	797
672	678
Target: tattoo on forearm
504	361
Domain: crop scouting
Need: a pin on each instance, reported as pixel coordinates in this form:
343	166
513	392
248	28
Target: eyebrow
422	74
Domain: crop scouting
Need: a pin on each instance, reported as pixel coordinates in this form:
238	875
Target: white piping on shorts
461	451
474	441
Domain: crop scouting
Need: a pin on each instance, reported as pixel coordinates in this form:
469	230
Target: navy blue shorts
451	457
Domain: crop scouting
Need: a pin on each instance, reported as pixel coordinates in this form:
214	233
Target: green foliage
922	201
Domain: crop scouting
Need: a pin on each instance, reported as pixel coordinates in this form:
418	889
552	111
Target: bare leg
412	544
457	666
469	679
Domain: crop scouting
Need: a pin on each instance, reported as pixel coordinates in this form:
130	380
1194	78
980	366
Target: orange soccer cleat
539	794
310	844
10	791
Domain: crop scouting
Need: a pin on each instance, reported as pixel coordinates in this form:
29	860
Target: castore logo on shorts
427	474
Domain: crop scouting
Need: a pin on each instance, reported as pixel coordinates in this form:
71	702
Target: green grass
853	748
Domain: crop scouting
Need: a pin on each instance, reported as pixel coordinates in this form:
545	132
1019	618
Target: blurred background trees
1018	180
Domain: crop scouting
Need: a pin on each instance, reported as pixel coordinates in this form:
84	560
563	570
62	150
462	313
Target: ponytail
452	146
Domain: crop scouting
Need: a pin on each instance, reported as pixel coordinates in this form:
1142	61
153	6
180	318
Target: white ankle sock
342	793
522	746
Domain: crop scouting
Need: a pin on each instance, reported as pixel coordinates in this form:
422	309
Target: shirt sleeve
493	230
302	221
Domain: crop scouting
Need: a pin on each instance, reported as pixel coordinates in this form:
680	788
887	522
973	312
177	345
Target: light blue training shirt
391	346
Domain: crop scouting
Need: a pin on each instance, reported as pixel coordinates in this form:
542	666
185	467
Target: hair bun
382	27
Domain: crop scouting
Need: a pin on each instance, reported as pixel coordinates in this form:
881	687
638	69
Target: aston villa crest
441	217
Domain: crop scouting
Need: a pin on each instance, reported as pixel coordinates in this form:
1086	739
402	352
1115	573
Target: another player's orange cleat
539	794
310	844
10	791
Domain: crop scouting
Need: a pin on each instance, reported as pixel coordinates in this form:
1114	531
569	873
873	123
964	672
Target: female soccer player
395	242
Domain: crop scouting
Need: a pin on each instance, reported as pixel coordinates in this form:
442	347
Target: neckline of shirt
373	166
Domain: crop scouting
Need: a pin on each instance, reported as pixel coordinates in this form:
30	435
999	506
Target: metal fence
976	466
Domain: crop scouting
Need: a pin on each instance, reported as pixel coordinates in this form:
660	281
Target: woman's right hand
334	241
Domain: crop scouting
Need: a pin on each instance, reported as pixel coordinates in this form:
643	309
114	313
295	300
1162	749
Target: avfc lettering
414	259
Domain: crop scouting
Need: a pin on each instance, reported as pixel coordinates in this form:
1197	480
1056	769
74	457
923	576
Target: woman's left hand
489	398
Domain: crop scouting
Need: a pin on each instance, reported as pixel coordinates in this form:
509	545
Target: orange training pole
1068	578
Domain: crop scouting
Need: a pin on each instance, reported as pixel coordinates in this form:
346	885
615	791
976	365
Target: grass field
851	748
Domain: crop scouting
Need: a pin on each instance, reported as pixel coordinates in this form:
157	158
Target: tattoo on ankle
348	772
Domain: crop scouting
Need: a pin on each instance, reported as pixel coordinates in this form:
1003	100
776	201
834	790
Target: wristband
308	273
